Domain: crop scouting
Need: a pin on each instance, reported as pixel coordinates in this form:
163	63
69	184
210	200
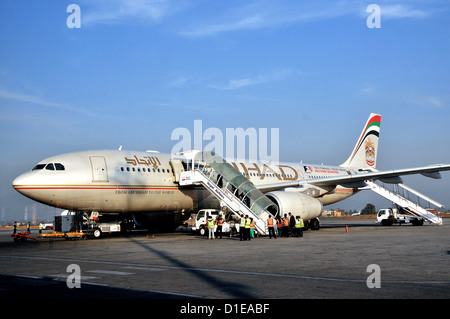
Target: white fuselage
131	181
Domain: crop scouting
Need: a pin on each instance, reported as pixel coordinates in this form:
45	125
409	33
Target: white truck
391	216
46	226
202	216
73	224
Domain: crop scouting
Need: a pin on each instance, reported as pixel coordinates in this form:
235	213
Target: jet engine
296	203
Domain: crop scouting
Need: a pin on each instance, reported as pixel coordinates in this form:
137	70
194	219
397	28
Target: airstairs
405	203
229	186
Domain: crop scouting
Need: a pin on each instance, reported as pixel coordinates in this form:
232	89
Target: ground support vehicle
46	226
229	226
391	216
82	225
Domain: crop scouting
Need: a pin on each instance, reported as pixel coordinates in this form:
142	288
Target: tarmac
345	259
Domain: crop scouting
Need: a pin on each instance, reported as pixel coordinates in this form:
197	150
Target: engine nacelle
296	203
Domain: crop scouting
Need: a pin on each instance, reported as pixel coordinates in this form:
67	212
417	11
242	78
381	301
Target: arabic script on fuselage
146	160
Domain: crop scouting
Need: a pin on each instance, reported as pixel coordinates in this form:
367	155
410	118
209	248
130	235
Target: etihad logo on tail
370	153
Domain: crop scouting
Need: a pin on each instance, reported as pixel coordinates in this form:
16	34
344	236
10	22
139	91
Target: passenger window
50	167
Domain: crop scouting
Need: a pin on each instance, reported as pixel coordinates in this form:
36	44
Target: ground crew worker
297	226
270	225
247	228
29	227
40	229
279	226
15	228
242	228
300	231
252	228
210	225
285	226
291	223
219	223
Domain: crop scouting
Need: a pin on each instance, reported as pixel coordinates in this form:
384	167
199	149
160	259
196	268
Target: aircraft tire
305	225
314	224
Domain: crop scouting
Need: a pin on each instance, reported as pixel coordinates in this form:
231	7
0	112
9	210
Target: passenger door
99	169
177	167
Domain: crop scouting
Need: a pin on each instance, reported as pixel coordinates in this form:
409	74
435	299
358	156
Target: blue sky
136	70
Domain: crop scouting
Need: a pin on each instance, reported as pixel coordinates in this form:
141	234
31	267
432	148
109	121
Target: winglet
365	152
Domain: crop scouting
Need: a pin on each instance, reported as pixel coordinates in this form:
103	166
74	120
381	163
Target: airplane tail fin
364	154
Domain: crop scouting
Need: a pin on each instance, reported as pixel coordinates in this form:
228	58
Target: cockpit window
55	166
59	167
50	167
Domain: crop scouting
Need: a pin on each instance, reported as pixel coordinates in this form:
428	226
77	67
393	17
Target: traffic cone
346	229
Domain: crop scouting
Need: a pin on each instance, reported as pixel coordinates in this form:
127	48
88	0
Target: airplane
144	187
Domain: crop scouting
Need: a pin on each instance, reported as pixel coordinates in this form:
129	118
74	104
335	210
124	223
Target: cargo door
99	169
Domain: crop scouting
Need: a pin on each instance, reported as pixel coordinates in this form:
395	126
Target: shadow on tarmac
235	290
28	288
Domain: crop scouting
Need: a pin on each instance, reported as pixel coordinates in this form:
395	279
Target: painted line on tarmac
234	272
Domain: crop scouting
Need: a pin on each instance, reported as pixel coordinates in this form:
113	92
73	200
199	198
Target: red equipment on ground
22	236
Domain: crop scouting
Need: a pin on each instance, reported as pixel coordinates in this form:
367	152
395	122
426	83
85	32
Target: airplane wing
358	179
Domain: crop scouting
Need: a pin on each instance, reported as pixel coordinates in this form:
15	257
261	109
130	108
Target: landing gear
314	224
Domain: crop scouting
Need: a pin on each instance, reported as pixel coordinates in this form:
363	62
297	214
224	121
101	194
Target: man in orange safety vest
270	226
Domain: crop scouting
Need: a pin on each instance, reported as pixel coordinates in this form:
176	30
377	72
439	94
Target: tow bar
22	236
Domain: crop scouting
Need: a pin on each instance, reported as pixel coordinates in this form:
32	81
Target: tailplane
364	154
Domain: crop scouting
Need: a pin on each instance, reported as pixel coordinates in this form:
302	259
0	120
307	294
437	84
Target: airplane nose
20	182
17	182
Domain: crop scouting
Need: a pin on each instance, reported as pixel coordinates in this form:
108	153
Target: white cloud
401	11
268	14
238	15
259	14
430	100
178	82
125	11
19	97
265	78
435	101
247	23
